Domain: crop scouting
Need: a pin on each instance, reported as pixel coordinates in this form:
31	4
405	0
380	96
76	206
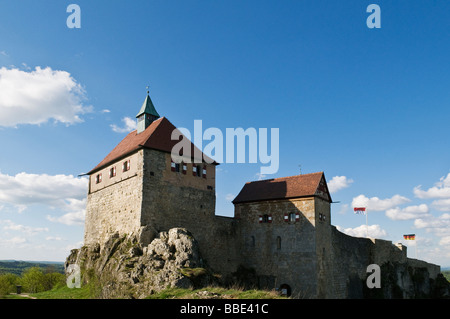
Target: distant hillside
446	274
17	267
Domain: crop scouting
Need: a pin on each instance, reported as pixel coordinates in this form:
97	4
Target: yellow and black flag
410	237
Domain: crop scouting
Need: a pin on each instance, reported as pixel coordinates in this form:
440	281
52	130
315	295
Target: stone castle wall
307	253
352	256
281	252
114	204
173	199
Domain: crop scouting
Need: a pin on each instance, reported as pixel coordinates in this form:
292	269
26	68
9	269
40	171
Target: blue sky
369	107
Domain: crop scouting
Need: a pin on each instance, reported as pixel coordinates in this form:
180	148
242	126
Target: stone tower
286	232
137	185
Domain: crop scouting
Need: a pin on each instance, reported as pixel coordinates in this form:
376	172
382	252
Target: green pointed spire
146	115
148	108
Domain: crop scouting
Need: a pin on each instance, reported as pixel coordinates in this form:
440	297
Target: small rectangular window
98	178
126	166
112	172
292	217
265	218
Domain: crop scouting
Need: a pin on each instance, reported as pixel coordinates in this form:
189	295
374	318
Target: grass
89	291
170	293
13	296
214	293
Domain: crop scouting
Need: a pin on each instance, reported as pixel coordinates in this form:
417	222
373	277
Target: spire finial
147	87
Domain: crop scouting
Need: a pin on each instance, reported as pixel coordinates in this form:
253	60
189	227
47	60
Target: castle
281	227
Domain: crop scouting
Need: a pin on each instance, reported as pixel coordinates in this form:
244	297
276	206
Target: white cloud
54	238
440	189
71	218
376	204
63	192
3	52
338	182
440	226
13	241
374	231
56	191
129	125
445	241
229	197
410	212
10	225
441	204
37	96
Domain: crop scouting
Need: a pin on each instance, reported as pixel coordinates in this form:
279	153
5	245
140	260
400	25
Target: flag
360	210
410	237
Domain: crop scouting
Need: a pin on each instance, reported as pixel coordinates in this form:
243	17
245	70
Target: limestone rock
132	266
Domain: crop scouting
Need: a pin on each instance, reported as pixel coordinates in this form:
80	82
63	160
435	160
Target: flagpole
416	246
367	224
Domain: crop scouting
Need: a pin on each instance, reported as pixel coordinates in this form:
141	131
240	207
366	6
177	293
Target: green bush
32	280
8	283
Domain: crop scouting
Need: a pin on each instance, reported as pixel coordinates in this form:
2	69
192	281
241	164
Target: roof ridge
284	177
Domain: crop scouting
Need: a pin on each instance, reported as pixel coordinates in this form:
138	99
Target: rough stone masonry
280	237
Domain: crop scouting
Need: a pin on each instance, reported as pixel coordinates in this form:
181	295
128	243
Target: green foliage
18	267
446	274
8	284
33	280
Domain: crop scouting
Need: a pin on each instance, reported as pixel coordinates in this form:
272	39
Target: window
292	217
197	170
278	242
126	166
112	172
98	178
322	217
265	218
175	167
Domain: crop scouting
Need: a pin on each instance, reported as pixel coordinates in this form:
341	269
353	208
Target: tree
33	280
8	283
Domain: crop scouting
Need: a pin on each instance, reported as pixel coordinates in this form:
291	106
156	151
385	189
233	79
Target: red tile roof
313	184
156	136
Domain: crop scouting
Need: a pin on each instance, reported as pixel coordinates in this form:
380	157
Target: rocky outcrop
401	281
134	266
